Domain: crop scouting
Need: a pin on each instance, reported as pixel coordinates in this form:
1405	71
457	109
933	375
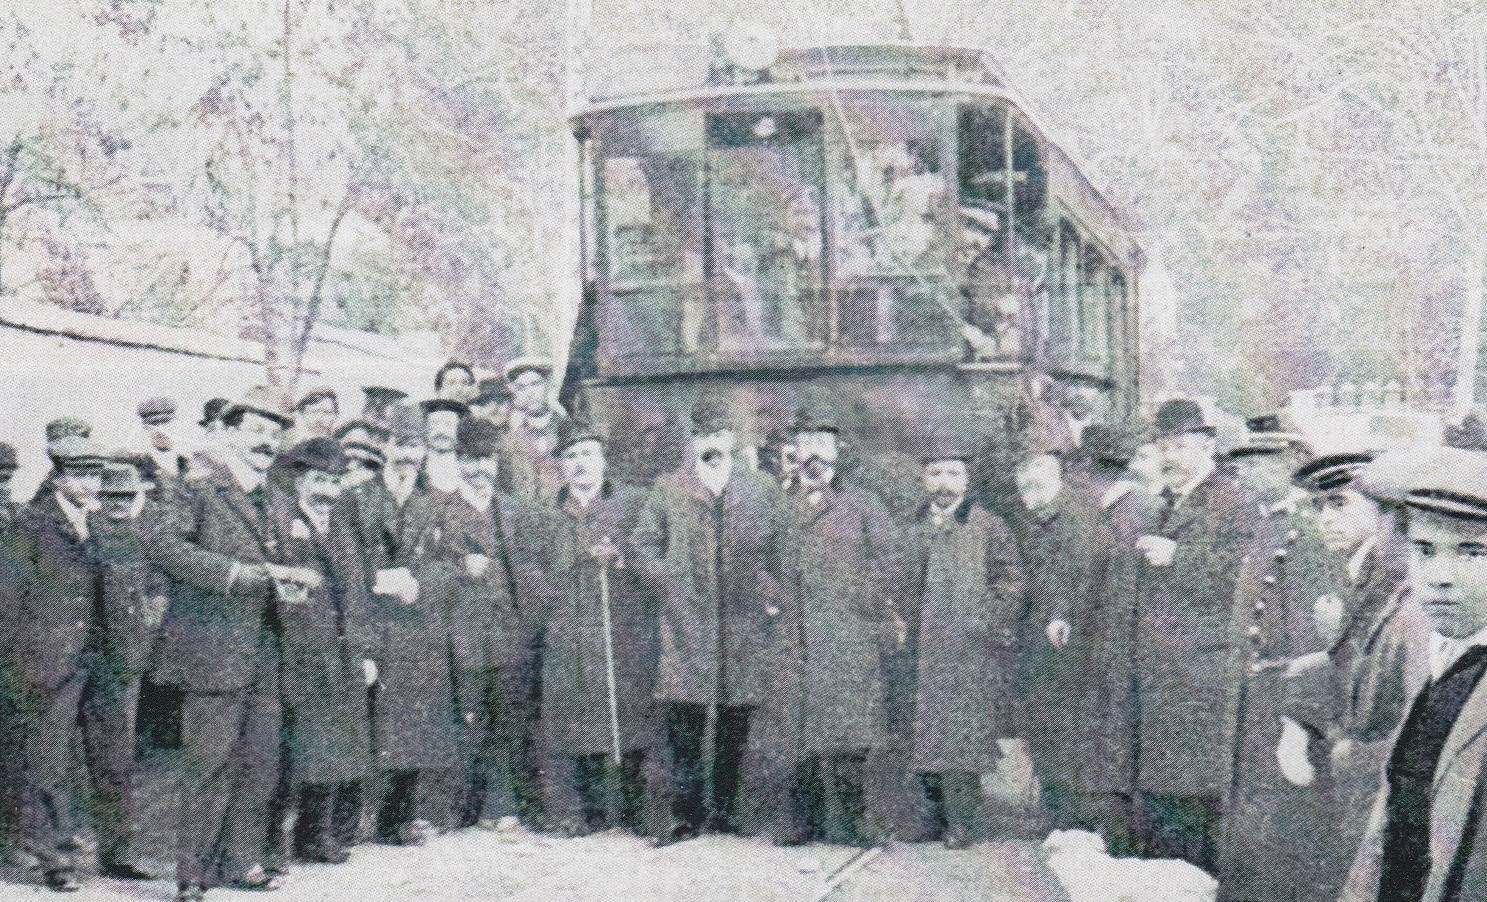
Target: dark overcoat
969	584
135	595
414	718
1057	547
718	563
846	558
60	609
325	640
575	711
1170	706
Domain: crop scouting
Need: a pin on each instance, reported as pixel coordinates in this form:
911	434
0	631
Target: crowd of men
445	614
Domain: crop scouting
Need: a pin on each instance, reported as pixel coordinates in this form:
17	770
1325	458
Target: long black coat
719	563
135	595
575	694
324	641
58	609
414	714
1057	547
969	589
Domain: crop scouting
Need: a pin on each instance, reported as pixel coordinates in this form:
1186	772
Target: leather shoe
127	870
257	880
190	893
62	882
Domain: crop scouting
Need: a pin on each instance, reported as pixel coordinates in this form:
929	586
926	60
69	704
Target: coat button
1281	553
1253	632
1269	580
1259	607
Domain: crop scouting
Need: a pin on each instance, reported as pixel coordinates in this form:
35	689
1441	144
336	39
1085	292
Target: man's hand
1058	632
1305	663
1159	550
1342	750
476	565
607	553
369	671
301	576
252	579
1328	611
1292	754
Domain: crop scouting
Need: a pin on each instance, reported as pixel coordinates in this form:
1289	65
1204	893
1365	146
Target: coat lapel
1468	728
237	501
1456	789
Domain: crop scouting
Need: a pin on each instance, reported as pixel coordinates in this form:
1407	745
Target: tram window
765	220
983	158
1065	323
1094	306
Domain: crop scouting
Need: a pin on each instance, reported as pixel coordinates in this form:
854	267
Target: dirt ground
479	865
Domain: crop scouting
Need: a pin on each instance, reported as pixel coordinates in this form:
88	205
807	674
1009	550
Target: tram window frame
1094	335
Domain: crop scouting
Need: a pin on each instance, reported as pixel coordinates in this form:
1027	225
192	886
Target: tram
882	231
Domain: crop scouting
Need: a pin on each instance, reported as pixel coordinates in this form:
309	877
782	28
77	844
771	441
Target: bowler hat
62	427
814	418
405	420
1180	416
121	479
710	415
212	411
9	463
1451	483
264	400
530	363
477	437
573	432
321	454
74	451
444	405
1111	445
1265	435
936	447
157	410
1331	471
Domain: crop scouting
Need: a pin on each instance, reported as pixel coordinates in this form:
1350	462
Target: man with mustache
845	551
327	650
965	602
51	597
1423	841
220	646
441	466
401	529
712	535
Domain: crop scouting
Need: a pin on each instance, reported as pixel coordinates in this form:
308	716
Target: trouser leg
506	702
731	744
210	729
346	813
628	810
807	800
108	722
471	698
933	786
49	727
962	801
685	724
312	823
258	761
845	799
1181	826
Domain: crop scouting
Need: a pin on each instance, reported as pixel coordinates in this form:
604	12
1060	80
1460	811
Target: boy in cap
404	539
713	537
532	430
966	597
219	646
495	619
455	381
1421	842
327	641
598	668
317	413
50	593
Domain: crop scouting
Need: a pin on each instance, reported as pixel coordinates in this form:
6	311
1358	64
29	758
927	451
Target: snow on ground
477	865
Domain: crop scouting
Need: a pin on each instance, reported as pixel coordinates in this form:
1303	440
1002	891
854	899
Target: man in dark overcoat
401	528
52	601
1181	700
600	663
495	620
968	593
220	646
846	556
1056	541
327	646
134	595
712	535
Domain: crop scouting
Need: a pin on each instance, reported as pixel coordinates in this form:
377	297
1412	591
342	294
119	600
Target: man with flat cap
845	554
1341	706
50	595
493	401
455	381
714	536
377	404
598	667
495	619
401	528
1424	842
317	414
56	430
966	598
1177	709
532	429
220	645
327	642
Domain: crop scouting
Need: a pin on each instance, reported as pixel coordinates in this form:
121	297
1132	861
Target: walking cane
614	702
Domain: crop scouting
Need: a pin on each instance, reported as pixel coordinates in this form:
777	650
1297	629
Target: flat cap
1114	445
1331	471
1180	416
368	454
62	427
157	410
477	437
265	401
444	405
530	363
710	414
212	411
76	451
938	446
121	479
573	432
315	396
320	454
1451	483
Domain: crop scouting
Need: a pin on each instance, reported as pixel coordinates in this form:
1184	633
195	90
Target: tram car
880	231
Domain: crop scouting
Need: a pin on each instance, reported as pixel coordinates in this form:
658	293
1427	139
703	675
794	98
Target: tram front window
765	220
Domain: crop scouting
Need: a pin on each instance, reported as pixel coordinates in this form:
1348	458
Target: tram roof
649	75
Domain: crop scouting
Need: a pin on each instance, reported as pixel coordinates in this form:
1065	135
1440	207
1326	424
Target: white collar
1445	651
1192	484
1116	492
1359	558
401	489
716	476
245	476
75	515
480	501
443	469
585	496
